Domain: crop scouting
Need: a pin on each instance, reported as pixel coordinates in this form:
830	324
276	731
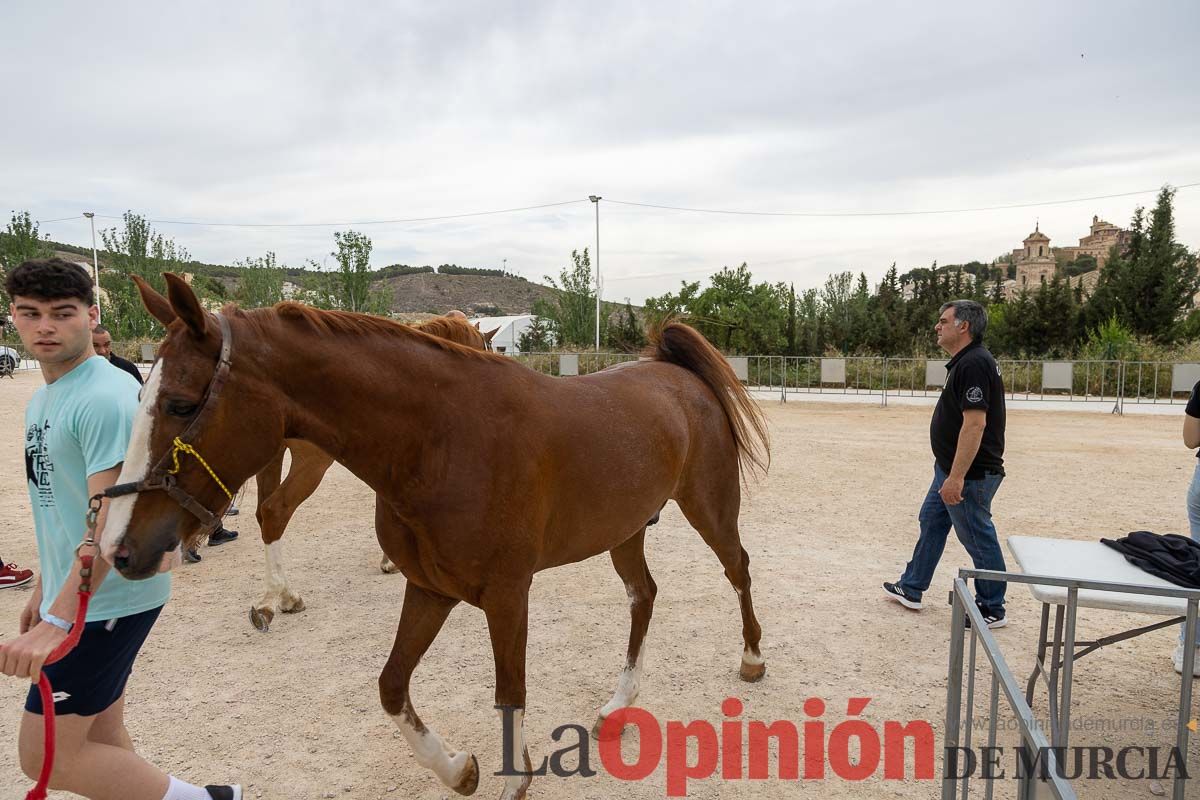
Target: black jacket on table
1169	556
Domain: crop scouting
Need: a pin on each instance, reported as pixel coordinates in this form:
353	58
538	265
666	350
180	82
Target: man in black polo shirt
967	435
102	343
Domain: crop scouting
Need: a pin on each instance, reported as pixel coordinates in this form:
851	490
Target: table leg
1185	695
1064	711
1055	653
1041	655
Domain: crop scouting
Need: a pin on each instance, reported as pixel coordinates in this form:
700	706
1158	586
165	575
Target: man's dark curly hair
50	279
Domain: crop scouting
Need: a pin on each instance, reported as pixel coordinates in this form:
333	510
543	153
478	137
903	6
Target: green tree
791	320
885	317
1080	265
571	313
137	249
1148	287
260	283
810	329
353	256
537	338
626	335
319	289
673	305
1110	341
19	242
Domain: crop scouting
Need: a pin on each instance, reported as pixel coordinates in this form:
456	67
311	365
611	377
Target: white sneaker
1177	658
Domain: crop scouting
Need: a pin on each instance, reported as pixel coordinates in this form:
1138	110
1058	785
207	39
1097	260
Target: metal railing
1029	728
551	363
1094	381
1117	382
1057	679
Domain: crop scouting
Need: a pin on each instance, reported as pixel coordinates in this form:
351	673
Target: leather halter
160	476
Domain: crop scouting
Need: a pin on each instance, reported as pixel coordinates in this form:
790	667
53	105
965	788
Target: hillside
421	293
484	294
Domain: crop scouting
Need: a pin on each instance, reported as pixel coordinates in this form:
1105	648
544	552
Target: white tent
511	328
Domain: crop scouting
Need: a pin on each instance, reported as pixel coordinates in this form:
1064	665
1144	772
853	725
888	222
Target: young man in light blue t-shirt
77	429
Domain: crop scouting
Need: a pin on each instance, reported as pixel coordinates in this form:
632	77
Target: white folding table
1074	565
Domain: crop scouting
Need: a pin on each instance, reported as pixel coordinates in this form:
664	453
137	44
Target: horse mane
354	324
455	330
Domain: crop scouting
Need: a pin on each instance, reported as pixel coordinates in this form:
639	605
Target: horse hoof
387	567
292	606
470	779
602	734
752	673
261	618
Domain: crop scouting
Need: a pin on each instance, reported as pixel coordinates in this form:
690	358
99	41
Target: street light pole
596	201
95	262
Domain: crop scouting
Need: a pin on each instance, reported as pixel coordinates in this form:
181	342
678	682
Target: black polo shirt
128	366
973	383
1193	406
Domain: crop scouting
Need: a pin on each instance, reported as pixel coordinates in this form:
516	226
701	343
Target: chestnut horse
485	472
278	497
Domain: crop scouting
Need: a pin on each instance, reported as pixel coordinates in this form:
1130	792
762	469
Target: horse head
188	450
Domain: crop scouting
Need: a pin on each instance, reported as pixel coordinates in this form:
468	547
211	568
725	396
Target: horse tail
683	345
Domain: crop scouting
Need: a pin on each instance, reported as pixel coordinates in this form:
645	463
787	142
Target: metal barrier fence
14	358
1115	382
563	364
956	775
1047	756
1086	381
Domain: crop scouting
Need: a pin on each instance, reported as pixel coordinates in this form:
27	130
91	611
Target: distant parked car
9	359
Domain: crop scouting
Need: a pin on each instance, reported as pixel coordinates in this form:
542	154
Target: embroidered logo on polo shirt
974	395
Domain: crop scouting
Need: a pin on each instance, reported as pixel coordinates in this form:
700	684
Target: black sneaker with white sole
895	592
993	621
220	536
224	792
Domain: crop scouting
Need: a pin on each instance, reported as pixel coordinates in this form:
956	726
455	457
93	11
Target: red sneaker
11	575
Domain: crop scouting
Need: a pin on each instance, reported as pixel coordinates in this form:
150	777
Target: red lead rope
38	792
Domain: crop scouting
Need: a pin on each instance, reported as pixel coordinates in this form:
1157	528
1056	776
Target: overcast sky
351	112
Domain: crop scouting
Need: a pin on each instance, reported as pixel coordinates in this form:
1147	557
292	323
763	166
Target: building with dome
1035	261
1097	244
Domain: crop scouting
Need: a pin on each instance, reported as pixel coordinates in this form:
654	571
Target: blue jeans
972	521
1193	509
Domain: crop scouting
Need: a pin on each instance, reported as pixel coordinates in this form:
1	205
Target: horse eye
180	408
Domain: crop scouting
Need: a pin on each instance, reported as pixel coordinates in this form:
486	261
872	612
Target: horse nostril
121	562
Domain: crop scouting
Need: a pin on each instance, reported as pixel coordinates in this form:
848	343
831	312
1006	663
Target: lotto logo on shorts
60	696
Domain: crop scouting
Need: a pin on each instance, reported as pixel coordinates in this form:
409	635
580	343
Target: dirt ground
294	713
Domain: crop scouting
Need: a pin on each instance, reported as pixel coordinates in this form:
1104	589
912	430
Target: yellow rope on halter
187	448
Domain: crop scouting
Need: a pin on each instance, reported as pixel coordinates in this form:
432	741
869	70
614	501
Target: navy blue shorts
92	677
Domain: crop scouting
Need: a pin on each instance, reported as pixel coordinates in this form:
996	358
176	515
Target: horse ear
158	306
487	337
186	305
476	326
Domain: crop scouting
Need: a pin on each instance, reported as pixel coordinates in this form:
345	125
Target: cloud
279	113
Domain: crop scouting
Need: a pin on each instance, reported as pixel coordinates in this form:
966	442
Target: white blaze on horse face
628	686
433	753
135	467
